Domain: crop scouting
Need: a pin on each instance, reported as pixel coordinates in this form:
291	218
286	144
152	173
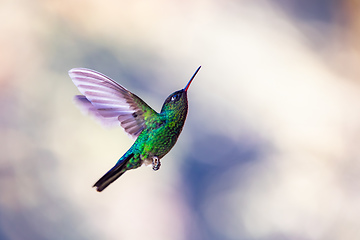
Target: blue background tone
270	149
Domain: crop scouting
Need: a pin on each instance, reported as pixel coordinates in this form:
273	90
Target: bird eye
175	97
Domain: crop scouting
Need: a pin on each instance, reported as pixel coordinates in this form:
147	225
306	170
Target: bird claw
156	163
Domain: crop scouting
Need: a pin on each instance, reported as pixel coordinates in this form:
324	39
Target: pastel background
270	149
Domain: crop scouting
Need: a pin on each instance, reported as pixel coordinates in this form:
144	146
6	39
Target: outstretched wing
110	102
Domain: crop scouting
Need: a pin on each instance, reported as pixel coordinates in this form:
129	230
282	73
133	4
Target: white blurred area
283	86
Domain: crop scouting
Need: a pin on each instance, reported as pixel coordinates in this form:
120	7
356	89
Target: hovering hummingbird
111	103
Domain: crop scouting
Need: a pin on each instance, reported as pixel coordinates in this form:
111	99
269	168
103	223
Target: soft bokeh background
270	149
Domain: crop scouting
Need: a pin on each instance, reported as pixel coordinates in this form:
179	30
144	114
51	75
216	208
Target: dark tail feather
112	174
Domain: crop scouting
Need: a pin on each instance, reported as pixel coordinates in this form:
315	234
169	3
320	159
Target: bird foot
156	163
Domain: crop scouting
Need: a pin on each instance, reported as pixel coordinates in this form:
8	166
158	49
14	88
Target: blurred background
270	149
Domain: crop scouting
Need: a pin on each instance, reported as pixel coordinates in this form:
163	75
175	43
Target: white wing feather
108	101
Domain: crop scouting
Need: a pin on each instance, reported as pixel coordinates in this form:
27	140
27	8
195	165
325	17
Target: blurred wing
110	102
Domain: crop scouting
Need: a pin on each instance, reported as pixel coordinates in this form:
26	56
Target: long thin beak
192	78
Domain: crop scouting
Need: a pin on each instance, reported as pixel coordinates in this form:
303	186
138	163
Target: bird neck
178	115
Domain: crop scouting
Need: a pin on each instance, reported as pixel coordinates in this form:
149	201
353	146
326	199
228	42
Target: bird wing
110	102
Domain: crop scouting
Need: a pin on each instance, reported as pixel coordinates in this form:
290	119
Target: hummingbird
112	104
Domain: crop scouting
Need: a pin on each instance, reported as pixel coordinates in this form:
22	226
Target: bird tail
112	174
